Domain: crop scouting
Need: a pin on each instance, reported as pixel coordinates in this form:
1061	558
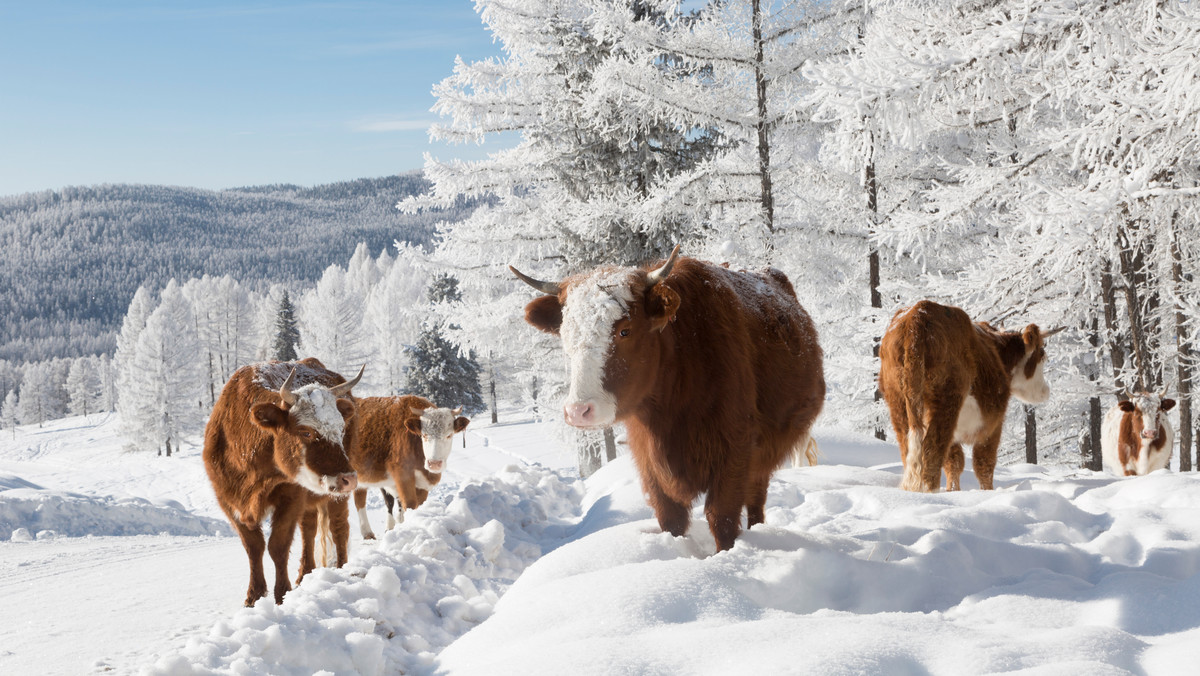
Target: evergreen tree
84	386
287	334
438	369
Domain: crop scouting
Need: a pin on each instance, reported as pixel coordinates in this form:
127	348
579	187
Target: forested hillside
70	260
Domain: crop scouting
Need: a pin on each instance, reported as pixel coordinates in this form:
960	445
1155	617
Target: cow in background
947	382
402	445
277	436
715	373
1137	436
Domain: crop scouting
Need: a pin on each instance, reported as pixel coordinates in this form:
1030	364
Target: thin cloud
395	124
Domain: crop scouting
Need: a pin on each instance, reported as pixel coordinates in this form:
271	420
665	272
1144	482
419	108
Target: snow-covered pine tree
224	327
132	326
393	314
287	333
8	412
165	400
43	393
331	324
439	370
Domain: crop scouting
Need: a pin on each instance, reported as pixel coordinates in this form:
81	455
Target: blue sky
224	94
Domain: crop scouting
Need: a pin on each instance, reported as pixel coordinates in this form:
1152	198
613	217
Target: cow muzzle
1150	434
435	465
343	483
581	414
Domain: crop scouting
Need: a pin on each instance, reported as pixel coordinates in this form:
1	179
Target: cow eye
624	333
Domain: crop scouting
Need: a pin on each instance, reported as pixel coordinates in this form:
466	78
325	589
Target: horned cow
402	446
716	374
947	383
1136	438
277	437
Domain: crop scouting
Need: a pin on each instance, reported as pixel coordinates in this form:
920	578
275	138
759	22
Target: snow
516	566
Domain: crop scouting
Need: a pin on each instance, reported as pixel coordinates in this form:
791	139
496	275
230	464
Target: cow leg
955	461
255	545
283	529
983	457
938	436
339	529
899	416
756	501
723	507
308	540
390	502
360	506
674	517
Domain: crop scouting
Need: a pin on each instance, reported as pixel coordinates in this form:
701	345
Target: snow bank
396	604
28	508
850	575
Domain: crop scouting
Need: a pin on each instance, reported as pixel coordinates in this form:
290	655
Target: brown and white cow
277	436
947	383
1137	438
401	446
715	373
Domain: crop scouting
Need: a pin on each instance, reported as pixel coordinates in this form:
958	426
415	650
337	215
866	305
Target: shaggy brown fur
253	452
717	375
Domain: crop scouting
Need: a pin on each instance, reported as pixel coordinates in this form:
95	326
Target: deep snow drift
523	569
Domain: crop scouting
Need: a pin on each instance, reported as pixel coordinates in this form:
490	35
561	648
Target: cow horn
661	273
551	288
285	390
456	411
1051	332
344	388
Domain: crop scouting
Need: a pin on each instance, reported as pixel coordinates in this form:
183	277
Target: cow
947	382
276	438
402	445
716	374
1137	438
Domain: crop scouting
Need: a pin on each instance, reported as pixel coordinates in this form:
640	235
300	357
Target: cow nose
1149	434
346	483
580	415
435	465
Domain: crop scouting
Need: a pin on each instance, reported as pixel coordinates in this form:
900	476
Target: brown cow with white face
715	373
1137	437
947	383
277	436
402	446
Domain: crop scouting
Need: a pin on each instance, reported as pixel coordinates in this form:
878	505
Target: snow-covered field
121	563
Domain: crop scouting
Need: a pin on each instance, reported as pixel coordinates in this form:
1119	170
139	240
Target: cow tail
805	452
914	404
325	546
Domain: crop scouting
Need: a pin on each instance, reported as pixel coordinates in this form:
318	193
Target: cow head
1143	409
1029	378
310	426
611	322
436	427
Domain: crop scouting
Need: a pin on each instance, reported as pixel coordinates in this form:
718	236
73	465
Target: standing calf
715	373
947	383
401	446
1137	436
277	436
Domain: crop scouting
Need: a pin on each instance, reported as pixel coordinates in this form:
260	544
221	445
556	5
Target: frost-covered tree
439	370
287	334
331	323
8	412
43	394
224	326
132	326
165	402
395	307
84	387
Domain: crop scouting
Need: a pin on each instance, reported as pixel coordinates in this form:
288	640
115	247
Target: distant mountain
70	260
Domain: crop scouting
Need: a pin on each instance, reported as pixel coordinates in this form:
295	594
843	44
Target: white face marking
316	407
1030	390
970	422
1149	405
593	306
317	483
437	437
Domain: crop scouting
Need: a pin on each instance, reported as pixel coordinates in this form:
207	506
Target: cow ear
460	423
413	425
1126	406
661	304
1032	337
1166	405
268	416
545	313
346	408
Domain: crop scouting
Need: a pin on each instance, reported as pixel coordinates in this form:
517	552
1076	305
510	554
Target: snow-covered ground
516	567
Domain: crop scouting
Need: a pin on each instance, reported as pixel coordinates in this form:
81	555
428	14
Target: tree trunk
1133	261
610	444
1183	358
1030	435
764	145
1094	460
1116	350
492	391
871	188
